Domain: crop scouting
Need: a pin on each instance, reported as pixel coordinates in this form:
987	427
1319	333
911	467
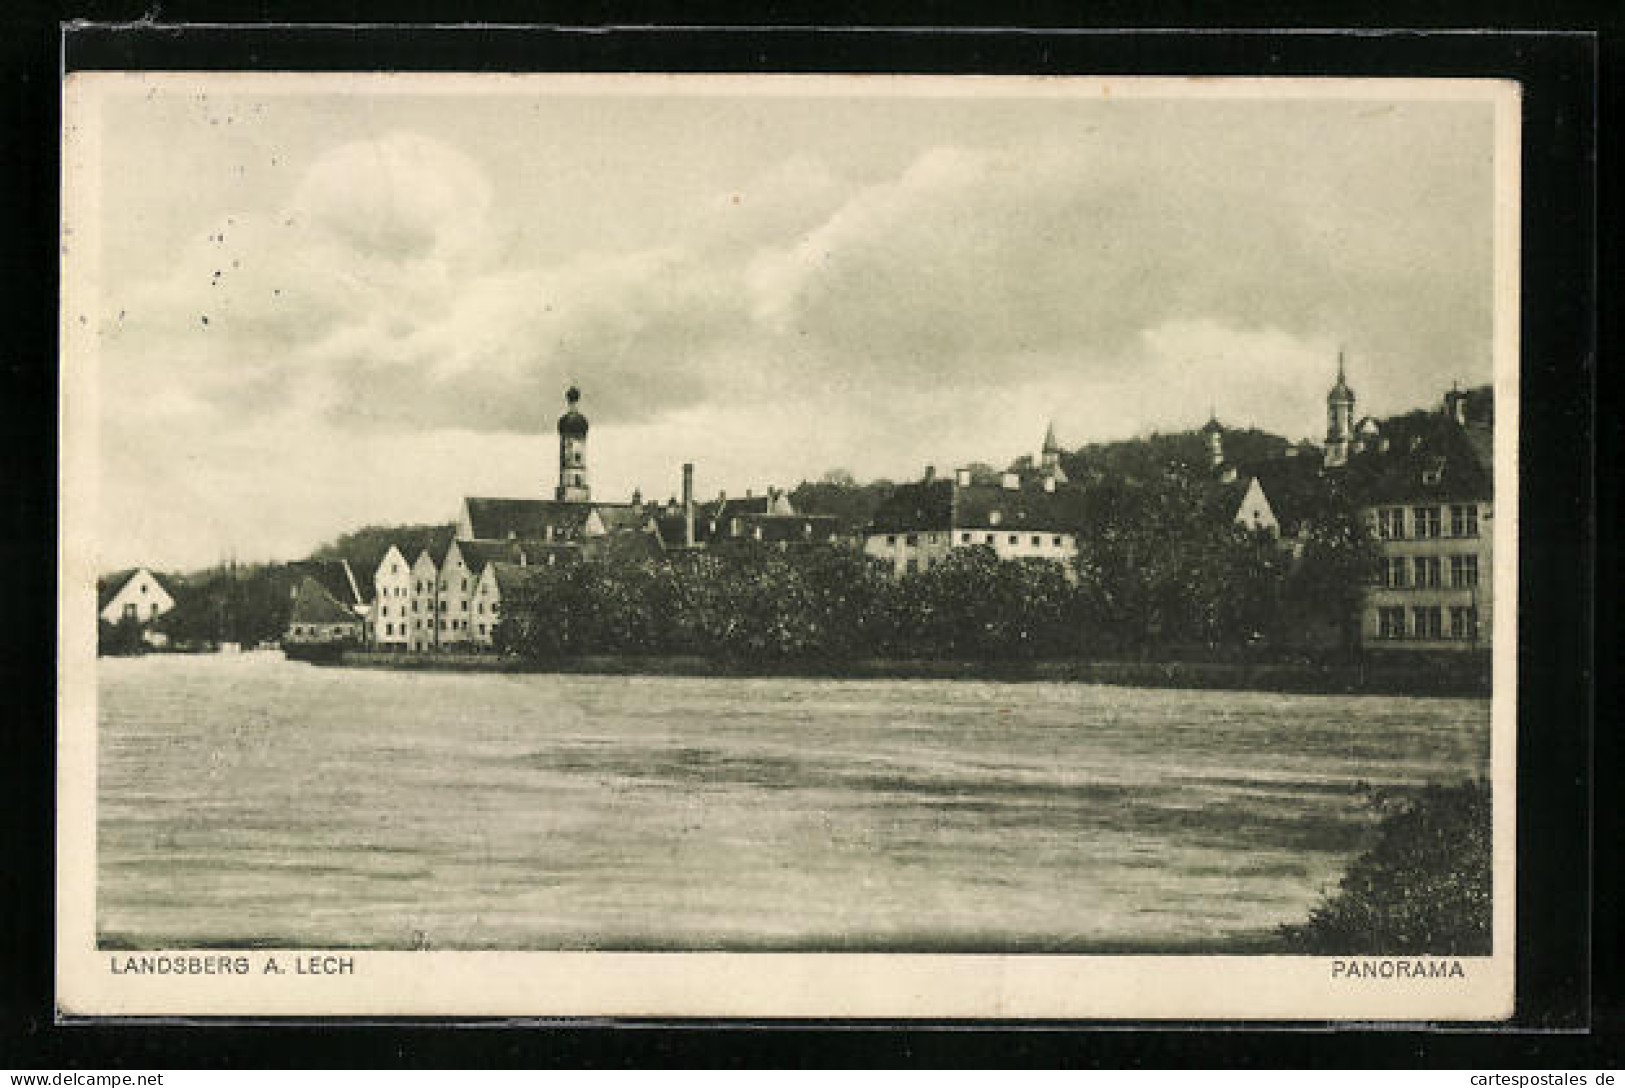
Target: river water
253	801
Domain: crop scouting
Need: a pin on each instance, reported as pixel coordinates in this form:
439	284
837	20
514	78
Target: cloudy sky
320	310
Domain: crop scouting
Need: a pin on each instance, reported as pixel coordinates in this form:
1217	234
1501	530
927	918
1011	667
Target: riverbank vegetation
1161	575
1424	888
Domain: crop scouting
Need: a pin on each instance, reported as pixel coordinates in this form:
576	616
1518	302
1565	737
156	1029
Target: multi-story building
1019	517
1425	483
391	618
425	603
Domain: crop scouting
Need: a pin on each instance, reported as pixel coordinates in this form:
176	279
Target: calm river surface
255	801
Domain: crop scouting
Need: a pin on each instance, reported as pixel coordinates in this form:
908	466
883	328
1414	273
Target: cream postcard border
756	985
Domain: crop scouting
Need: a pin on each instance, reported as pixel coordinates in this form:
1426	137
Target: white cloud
385	308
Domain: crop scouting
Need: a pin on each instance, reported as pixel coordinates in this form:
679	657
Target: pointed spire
1050	443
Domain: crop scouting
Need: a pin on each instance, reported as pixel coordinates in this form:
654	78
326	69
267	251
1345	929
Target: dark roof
671	529
1428	457
721	508
337	578
313	603
529	519
479	553
617	518
991	506
935	505
512	577
108	585
789	528
926	505
625	546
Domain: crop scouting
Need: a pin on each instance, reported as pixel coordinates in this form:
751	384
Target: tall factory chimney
688	505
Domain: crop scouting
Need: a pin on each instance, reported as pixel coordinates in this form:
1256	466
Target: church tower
1213	437
1051	461
1339	419
573	452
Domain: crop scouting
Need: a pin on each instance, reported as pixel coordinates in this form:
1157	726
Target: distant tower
1051	460
573	452
1213	434
1339	419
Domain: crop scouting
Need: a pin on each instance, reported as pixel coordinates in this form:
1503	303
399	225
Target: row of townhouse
451	603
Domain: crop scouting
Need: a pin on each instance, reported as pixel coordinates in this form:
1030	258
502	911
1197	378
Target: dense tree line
1161	572
365	547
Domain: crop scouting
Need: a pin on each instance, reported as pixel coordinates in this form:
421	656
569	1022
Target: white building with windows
424	601
1018	517
391	617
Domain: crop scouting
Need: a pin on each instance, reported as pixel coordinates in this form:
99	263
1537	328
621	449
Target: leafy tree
366	547
119	639
839	496
1339	560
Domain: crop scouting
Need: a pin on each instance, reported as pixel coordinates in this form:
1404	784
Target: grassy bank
1464	677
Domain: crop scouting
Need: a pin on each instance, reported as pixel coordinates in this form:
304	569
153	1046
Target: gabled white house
456	587
391	620
135	594
425	603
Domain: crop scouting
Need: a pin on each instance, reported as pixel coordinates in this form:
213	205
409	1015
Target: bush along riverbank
1424	888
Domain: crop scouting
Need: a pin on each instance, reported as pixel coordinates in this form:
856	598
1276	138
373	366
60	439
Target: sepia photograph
788	546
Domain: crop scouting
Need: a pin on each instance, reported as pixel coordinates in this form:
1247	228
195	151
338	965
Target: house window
1391	523
1057	542
891	540
442	585
1463	571
1434	472
414	605
129	611
1390	623
1464	623
1464	520
911	566
913	540
465	585
465	606
964	538
1395	571
494	607
482	628
1427	622
143	588
1013	539
394	568
1427	568
1038	542
389	628
1426	519
482	607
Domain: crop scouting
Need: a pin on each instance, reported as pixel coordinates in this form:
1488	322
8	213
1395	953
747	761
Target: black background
1569	1007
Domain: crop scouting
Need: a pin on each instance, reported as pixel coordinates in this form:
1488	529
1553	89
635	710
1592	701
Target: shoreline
1465	678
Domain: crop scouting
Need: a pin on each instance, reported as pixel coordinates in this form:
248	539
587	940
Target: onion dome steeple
572	453
572	422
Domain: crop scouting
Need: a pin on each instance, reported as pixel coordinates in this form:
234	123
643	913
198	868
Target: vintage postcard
788	546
